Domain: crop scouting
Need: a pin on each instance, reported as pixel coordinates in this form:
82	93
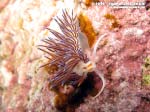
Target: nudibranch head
68	51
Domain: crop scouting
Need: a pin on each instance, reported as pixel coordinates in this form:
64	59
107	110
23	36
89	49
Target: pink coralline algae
121	60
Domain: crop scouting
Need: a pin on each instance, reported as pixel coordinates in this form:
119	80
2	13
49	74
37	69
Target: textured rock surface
24	87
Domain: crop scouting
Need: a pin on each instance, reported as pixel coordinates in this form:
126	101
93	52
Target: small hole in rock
147	4
90	87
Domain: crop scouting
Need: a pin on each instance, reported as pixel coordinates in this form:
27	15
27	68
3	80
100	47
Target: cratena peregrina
70	51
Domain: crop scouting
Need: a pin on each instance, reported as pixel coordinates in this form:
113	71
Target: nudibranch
68	50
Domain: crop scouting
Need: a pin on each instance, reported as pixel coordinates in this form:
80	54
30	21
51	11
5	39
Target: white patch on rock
116	74
7	76
133	32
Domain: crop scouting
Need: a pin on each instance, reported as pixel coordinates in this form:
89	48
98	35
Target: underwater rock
120	57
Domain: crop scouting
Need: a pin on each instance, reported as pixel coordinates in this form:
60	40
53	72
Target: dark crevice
85	89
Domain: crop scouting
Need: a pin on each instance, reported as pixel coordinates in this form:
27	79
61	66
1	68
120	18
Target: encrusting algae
113	20
87	29
146	72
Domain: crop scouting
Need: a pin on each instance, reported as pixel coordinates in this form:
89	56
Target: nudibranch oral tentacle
68	51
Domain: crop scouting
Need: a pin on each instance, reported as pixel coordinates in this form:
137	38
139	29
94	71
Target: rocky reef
123	56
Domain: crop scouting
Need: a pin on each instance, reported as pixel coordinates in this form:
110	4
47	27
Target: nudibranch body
68	50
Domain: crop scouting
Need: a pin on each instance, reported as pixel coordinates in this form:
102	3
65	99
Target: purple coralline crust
121	61
121	57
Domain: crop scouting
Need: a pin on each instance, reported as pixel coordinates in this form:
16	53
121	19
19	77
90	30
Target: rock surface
122	54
